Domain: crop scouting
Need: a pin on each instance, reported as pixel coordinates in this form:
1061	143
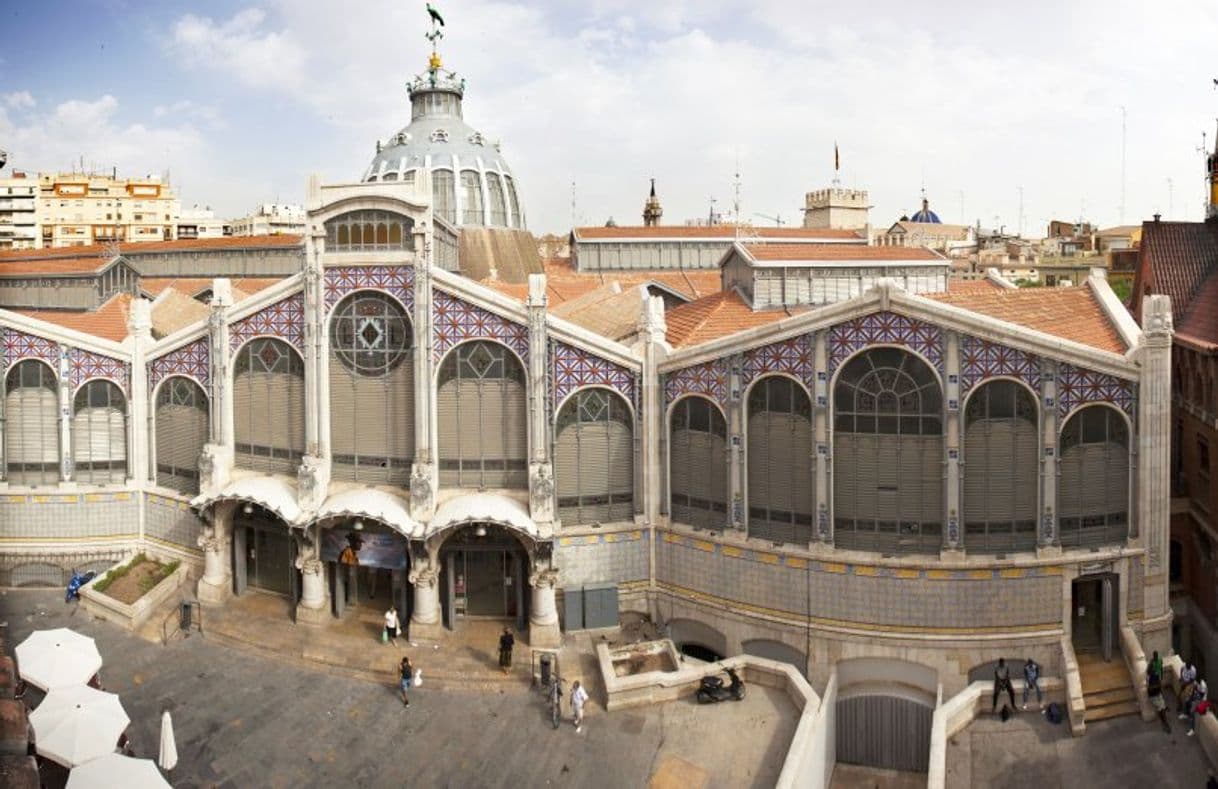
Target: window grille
1001	469
697	458
268	406
594	458
779	459
483	417
31	424
181	429
1093	478
99	434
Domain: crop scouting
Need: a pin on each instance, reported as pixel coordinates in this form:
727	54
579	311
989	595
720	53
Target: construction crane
777	220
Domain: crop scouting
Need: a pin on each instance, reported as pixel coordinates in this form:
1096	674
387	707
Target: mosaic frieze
709	379
397	281
886	328
575	368
1077	386
19	345
456	321
192	360
982	359
283	319
794	357
84	365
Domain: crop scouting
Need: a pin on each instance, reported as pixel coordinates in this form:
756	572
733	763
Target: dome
926	215
471	183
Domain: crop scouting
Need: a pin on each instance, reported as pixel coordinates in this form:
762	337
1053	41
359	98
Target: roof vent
1157	218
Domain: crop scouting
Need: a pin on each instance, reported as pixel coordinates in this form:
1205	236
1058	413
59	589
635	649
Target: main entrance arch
483	572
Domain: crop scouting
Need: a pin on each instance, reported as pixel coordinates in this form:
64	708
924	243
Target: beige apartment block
79	209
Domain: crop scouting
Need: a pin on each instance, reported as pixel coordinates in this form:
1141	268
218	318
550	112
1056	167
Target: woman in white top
392	625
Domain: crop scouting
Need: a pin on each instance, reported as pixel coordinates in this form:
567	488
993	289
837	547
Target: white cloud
19	100
240	48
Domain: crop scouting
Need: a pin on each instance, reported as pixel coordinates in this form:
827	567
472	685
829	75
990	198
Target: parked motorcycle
78	580
712	690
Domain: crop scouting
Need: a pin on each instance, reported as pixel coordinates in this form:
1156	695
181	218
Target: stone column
953	539
216	460
1047	539
1154	464
653	347
822	459
314	599
313	474
424	478
216	585
426	620
139	396
737	517
541	472
66	464
543	614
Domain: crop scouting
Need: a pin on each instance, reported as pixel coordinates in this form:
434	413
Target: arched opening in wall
471	198
697	639
888	454
369	231
776	650
99	434
1001	468
367	562
181	425
779	461
31	424
444	195
594	458
484	570
371	390
264	554
697	464
883	714
268	406
482	411
1093	478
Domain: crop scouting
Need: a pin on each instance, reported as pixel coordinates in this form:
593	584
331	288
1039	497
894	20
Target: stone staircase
1107	690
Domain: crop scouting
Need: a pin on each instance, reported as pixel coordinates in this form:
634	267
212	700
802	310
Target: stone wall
600	556
68	517
169	519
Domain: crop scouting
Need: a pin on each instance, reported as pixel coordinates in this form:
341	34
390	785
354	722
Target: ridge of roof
276	241
837	252
109	321
718	315
725	232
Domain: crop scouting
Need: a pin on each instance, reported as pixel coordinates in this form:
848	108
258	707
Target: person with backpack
1188	678
1031	679
1199	703
1002	681
1154	692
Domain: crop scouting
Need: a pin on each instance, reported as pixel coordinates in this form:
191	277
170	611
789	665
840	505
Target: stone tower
836	208
651	209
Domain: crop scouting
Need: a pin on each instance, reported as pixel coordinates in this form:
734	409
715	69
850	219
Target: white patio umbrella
74	725
118	771
59	658
168	757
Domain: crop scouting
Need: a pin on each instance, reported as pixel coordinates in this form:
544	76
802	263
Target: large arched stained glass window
99	434
268	406
1001	469
888	454
594	458
31	424
1093	480
780	461
482	412
371	390
181	431
697	462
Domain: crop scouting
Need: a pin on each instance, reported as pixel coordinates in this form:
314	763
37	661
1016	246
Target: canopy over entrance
483	508
274	494
371	504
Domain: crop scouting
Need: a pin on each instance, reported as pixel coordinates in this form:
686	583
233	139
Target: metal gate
884	731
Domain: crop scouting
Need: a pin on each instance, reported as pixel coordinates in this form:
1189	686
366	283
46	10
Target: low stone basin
643	658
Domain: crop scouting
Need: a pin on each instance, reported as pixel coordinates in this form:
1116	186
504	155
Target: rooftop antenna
1021	211
736	200
573	222
1204	151
1170	199
1122	212
710	218
837	165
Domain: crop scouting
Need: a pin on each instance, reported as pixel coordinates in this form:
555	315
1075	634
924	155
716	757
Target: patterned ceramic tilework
397	281
575	367
192	359
981	359
888	328
84	365
1077	386
19	345
457	321
283	319
793	357
708	378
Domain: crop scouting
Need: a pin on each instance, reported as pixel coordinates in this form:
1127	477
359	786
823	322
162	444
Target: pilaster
1154	450
544	631
425	619
541	472
313	475
66	465
953	538
140	428
822	460
216	585
1047	532
424	476
735	443
216	460
653	347
313	608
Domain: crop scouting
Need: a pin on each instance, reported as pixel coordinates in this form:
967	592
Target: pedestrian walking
506	642
1002	681
393	625
1031	680
1154	692
1155	666
406	671
578	697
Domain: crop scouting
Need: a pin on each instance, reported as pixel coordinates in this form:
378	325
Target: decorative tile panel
982	359
708	378
1076	386
83	365
192	359
18	345
885	328
575	367
398	281
794	357
456	321
283	319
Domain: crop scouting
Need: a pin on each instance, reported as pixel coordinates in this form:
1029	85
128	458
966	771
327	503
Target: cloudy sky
974	101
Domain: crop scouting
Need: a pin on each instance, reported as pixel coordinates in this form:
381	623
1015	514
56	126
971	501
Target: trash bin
185	616
547	661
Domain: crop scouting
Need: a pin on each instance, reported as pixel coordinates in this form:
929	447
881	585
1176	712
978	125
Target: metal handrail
196	618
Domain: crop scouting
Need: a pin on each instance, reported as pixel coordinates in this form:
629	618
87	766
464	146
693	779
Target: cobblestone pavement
244	720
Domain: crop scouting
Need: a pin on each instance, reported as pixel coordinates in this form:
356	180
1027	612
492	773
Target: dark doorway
1094	614
484	574
700	652
264	553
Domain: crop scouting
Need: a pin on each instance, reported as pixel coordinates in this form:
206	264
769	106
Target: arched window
181	431
483	417
888	454
1001	468
594	458
513	203
697	462
780	461
369	231
99	434
1093	478
31	424
443	195
371	390
471	198
268	406
494	188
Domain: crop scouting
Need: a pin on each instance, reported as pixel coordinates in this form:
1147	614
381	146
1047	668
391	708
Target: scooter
712	691
78	580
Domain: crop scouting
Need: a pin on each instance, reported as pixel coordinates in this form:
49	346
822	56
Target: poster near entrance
385	550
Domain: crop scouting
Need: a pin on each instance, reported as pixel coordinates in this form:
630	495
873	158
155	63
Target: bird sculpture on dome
435	35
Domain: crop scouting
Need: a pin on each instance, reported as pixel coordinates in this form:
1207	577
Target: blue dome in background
926	215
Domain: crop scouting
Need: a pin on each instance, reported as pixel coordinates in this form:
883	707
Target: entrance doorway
366	563
483	570
1094	614
264	554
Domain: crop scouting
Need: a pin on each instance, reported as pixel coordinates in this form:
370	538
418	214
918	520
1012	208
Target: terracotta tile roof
973	286
1174	260
611	311
834	252
712	232
63	266
109	321
148	247
175	311
718	316
564	283
191	286
1069	313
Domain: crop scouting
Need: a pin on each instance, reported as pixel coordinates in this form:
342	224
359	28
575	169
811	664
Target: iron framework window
888	454
1093	478
268	406
494	187
99	433
1001	468
369	231
181	428
444	195
31	424
594	458
780	461
371	390
471	198
697	457
482	410
513	203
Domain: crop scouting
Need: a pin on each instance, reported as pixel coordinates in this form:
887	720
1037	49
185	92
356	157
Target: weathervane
437	22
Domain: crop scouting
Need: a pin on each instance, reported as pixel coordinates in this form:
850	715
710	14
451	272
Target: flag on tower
837	159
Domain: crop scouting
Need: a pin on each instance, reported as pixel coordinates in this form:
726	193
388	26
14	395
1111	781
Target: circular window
370	334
